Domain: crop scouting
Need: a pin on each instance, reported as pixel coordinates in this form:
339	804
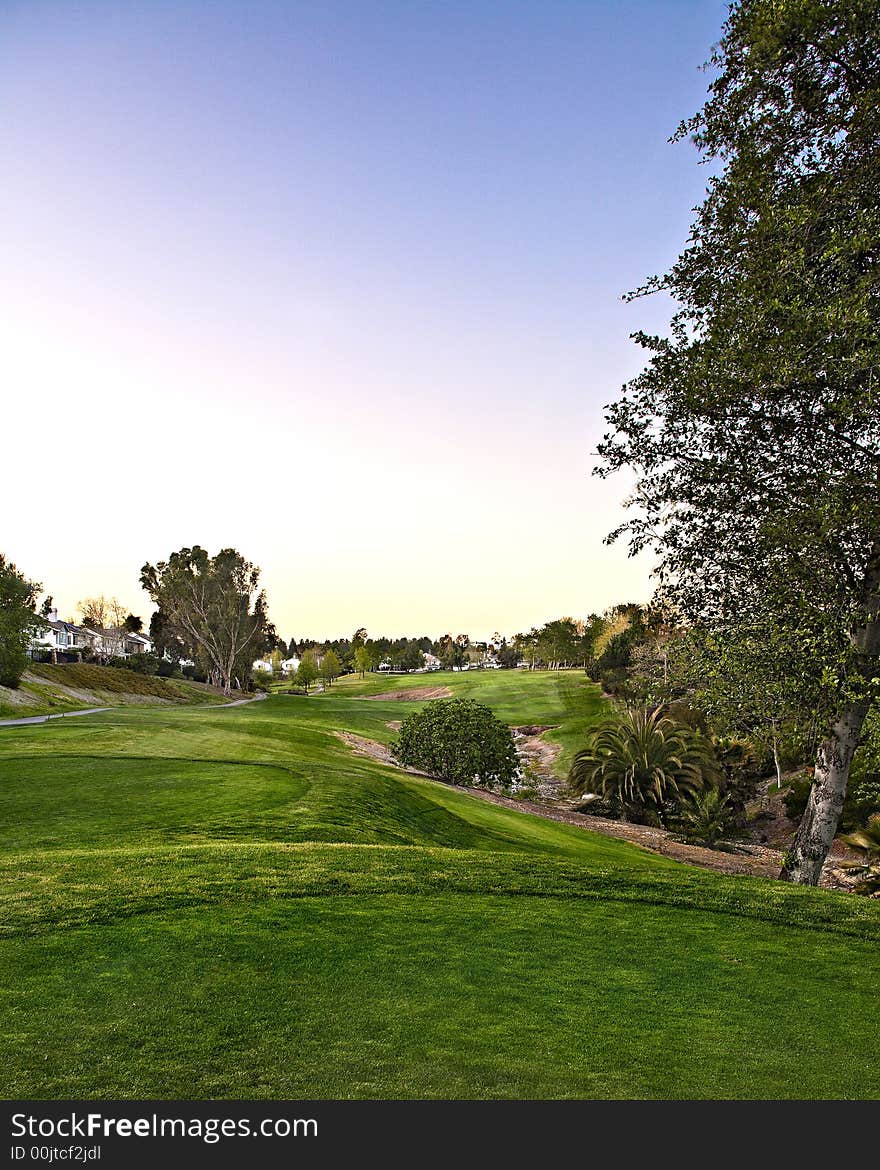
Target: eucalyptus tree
214	607
754	429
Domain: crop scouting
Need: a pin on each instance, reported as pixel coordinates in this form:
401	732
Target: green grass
229	903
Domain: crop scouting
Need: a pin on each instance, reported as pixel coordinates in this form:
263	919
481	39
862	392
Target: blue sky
348	275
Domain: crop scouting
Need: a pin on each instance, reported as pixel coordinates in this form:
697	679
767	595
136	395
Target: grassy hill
229	903
48	689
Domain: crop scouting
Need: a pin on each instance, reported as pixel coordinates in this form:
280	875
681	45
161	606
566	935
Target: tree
362	660
102	613
411	657
106	616
559	643
167	642
642	758
307	671
459	740
215	607
331	667
18	596
754	430
133	624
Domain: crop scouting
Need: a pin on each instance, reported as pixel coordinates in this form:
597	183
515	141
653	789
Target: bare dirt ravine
538	757
411	694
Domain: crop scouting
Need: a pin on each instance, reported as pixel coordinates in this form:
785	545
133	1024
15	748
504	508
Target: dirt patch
394	724
412	694
368	748
538	756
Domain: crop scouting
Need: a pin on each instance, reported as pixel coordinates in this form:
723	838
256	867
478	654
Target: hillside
229	903
46	689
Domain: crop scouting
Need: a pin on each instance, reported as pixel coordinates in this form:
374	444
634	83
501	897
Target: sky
337	284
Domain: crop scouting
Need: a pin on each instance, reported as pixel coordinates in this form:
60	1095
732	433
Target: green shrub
459	740
139	663
795	799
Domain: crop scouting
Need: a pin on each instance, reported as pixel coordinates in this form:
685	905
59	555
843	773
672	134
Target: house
117	642
136	644
432	662
57	637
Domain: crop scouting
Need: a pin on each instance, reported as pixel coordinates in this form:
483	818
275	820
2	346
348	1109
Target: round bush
459	740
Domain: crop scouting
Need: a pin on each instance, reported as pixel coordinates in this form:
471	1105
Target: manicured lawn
229	903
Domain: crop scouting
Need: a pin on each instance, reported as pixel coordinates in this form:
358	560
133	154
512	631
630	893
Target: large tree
215	607
18	621
755	428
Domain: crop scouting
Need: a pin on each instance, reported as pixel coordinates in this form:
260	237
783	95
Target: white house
432	662
57	637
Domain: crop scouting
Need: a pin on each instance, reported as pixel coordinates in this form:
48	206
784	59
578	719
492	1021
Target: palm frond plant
867	841
642	758
705	817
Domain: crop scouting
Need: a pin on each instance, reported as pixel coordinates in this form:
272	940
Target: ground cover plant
47	689
229	902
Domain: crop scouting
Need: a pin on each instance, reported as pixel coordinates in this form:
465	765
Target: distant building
56	637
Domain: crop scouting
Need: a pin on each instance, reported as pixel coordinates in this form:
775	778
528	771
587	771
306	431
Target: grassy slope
228	903
48	690
566	701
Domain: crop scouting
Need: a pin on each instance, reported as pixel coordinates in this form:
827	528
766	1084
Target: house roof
68	626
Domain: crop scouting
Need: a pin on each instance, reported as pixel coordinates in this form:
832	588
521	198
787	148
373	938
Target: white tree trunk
819	823
815	834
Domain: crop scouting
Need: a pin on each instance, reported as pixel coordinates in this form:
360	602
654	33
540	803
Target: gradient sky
338	284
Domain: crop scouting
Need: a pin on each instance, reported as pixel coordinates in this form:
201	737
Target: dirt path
23	722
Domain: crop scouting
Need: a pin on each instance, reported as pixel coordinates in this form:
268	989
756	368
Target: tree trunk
777	763
819	823
816	831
